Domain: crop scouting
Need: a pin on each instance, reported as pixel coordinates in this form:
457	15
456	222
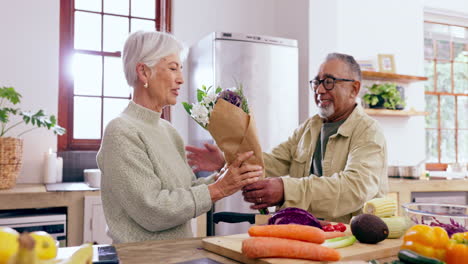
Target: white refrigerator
267	67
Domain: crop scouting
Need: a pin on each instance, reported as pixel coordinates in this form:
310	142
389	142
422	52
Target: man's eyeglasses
328	83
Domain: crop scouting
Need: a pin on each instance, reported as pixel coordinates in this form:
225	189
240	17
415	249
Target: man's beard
326	112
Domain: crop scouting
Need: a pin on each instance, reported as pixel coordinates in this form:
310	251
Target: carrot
330	235
291	231
267	247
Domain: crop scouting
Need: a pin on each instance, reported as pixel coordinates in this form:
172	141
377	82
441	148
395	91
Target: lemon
8	244
45	245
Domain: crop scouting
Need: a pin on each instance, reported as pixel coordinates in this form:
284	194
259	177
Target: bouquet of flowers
225	114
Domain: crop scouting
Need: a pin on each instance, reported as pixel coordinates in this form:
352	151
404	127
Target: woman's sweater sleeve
130	179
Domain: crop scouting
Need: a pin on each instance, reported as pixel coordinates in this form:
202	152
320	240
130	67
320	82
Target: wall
29	53
366	32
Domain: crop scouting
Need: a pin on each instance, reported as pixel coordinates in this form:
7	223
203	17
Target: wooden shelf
387	112
386	76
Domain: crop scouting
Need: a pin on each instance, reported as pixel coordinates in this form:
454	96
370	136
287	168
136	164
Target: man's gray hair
349	60
147	47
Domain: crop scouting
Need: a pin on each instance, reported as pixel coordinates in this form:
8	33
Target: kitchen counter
401	189
173	251
24	196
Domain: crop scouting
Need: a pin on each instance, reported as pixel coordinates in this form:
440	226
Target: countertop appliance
267	67
53	223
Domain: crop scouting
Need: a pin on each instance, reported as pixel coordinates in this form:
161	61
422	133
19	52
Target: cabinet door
95	225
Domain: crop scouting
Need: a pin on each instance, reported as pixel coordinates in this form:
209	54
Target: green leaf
200	95
218	90
3	115
187	107
58	130
10	94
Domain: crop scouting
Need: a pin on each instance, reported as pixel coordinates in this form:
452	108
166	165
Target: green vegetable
373	261
411	257
339	242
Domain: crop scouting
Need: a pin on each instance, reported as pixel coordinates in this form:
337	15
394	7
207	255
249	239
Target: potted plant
384	95
11	148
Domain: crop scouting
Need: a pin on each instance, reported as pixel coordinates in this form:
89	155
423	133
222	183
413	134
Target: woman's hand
209	158
234	177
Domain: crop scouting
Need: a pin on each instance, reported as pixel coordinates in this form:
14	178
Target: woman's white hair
147	47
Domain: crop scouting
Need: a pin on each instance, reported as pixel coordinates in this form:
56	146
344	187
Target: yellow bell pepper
457	249
426	240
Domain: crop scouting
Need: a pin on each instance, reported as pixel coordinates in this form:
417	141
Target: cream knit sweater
148	190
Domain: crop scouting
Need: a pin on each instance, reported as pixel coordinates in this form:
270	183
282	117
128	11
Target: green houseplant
11	147
384	95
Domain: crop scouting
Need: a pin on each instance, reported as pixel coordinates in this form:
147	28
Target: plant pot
402	95
11	157
379	105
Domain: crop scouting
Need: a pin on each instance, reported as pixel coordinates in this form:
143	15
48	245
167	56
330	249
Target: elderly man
333	163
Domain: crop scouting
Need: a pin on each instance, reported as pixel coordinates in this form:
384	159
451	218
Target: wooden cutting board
230	246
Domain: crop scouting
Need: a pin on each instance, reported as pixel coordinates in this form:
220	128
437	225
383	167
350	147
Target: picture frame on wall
386	63
366	65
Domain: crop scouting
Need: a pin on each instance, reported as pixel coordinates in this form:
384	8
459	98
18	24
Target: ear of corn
397	226
381	207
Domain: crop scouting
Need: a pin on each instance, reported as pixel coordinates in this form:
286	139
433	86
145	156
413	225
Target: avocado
369	229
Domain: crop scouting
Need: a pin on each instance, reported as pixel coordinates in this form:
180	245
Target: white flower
209	98
200	114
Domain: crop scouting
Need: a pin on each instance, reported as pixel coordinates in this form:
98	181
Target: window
92	85
446	93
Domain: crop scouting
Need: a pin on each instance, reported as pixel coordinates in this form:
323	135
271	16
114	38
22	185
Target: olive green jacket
354	167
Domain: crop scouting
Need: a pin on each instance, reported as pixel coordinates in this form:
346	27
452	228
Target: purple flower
231	96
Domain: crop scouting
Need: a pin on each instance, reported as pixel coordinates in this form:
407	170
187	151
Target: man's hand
264	193
209	158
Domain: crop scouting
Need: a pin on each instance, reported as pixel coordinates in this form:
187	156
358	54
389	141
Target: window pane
431	146
86	123
447	111
87	31
112	108
444	84
431	108
436	31
90	5
447	148
428	49
115	32
462	112
429	73
460	51
460	77
115	83
87	74
142	24
143	8
443	50
116	7
463	146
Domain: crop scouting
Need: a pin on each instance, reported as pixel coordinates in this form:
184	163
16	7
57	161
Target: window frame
441	165
66	50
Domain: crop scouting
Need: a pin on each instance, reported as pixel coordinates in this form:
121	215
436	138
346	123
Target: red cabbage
293	215
452	228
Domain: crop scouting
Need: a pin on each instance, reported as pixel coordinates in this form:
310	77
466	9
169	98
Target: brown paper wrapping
234	132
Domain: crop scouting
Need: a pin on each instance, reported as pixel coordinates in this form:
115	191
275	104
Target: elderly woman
148	190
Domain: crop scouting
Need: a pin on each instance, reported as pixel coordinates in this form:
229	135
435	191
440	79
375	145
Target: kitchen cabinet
405	190
370	77
25	196
95	226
